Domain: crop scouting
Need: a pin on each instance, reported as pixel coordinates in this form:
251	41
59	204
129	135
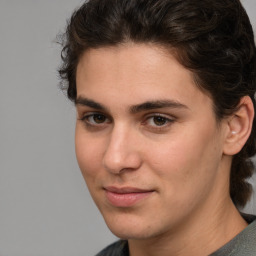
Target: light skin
154	157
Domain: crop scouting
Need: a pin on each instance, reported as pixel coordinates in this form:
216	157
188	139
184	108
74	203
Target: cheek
187	160
88	155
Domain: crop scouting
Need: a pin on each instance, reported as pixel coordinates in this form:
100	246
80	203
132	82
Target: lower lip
127	199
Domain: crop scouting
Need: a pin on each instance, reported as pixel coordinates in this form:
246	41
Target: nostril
121	152
121	162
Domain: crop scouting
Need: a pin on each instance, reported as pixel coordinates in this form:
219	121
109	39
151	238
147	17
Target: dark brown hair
213	38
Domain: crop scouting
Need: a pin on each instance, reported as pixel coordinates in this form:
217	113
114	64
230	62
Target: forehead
131	74
137	58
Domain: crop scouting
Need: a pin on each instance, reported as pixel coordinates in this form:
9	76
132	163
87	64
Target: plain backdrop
45	207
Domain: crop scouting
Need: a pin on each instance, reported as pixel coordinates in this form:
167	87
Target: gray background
45	208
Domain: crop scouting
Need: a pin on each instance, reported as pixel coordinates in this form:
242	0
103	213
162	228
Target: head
212	39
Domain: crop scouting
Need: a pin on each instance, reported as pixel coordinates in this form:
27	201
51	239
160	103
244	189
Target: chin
127	234
127	227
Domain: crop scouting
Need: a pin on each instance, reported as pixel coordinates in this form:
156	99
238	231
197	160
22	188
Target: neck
194	238
210	226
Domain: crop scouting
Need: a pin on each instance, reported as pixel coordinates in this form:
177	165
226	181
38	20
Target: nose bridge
121	152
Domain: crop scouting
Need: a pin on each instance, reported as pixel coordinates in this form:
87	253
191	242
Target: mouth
126	196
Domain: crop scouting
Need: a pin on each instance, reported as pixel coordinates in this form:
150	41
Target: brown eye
95	119
159	120
98	118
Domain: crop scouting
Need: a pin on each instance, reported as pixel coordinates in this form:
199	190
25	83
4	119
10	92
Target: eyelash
167	121
93	125
89	123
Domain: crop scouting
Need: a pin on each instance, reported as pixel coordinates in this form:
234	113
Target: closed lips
126	190
126	197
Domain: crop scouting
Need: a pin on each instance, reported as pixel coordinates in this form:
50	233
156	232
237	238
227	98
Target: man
164	91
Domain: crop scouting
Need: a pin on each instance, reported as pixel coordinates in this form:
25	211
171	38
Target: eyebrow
148	105
155	104
89	103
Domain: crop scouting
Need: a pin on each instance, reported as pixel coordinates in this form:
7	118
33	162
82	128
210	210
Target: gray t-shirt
244	244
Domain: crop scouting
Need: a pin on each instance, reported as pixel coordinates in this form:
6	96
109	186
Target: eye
158	121
95	119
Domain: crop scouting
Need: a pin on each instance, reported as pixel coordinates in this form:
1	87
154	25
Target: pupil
158	120
99	119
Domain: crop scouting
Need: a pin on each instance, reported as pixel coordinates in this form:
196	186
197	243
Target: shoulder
119	248
244	244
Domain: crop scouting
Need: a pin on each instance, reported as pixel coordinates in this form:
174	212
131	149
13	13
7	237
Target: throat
198	240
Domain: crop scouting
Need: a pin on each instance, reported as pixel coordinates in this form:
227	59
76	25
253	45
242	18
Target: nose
122	152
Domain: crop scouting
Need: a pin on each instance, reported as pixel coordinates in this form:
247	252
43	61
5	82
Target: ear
239	126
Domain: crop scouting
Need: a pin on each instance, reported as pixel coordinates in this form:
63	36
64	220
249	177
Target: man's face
147	141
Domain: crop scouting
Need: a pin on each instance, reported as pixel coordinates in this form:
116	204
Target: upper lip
126	190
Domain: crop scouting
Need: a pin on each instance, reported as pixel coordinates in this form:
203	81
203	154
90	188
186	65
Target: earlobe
239	126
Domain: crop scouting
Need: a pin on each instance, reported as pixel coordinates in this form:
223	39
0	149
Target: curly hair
212	38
